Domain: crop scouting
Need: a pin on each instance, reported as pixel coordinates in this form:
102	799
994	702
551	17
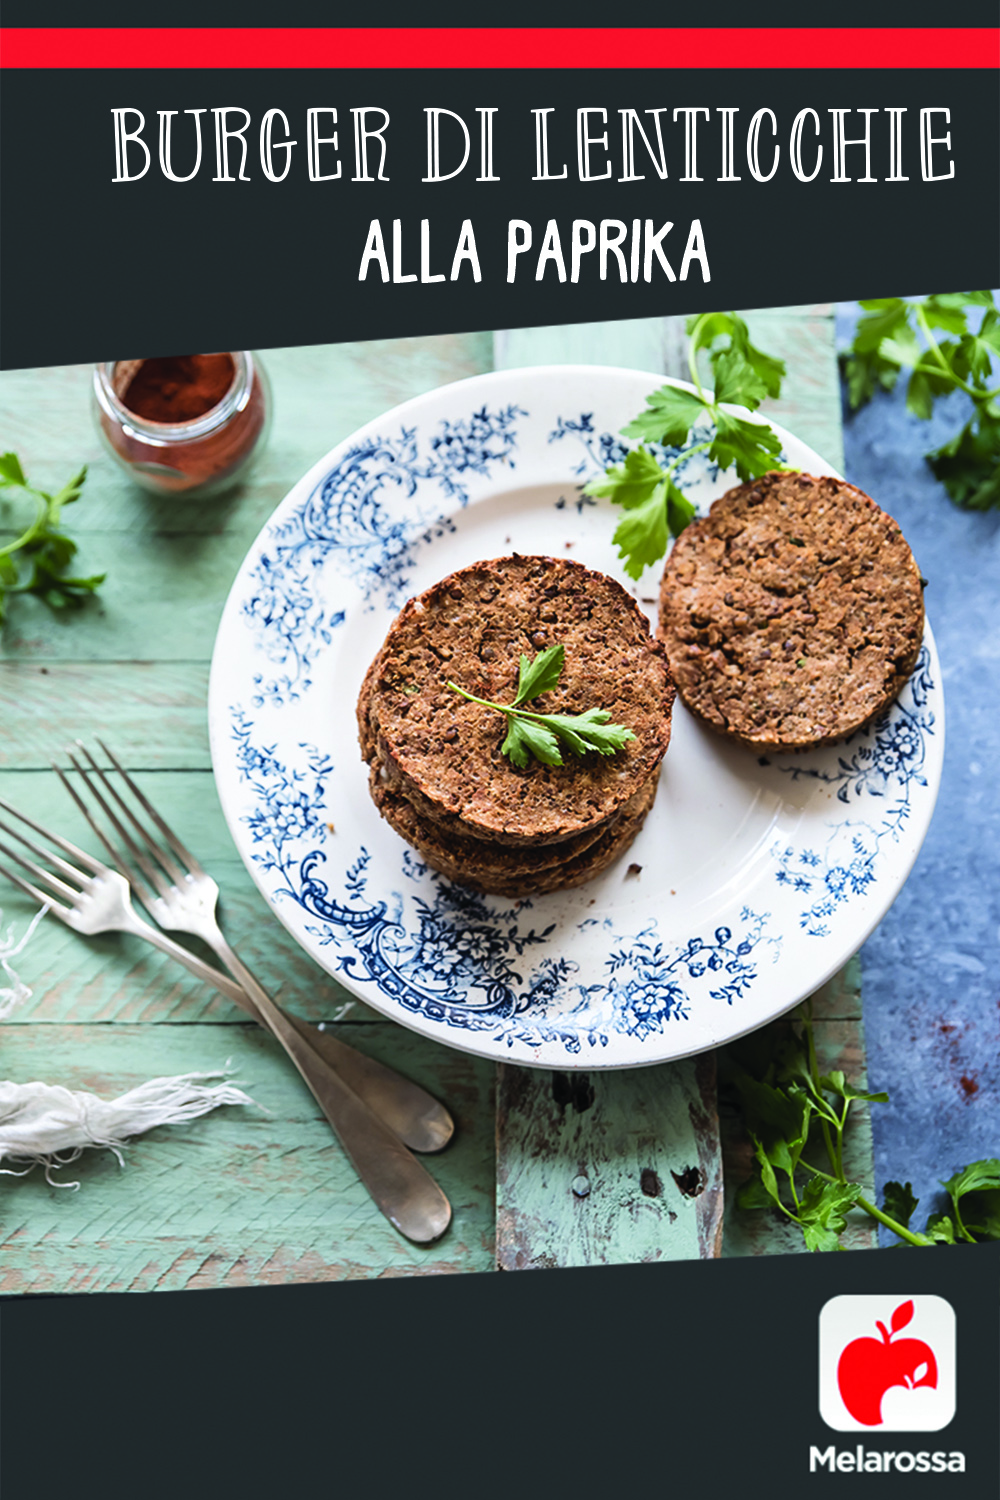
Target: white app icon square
887	1363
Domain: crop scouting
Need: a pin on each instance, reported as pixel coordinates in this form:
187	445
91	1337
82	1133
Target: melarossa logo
883	1461
887	1363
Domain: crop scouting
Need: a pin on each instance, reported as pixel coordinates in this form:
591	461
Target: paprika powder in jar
187	424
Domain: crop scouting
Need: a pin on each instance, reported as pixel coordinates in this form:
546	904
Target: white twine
46	1125
12	994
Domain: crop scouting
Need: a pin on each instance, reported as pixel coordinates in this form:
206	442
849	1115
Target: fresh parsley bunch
796	1118
643	485
931	338
540	735
42	549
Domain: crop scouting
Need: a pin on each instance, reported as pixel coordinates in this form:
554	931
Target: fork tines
61	870
157	863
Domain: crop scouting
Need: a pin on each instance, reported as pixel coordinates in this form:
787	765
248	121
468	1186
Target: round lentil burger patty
792	613
443	753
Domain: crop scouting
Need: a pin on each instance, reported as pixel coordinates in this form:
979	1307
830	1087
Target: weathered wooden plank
839	1044
242	1195
117	978
153	710
161	600
607	1168
633	343
186	799
170	563
809	404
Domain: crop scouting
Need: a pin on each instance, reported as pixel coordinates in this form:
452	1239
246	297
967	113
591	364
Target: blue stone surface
931	970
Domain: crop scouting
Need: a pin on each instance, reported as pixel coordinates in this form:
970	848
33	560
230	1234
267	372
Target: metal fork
187	902
96	899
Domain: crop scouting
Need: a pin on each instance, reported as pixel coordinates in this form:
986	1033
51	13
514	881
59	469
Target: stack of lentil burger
517	820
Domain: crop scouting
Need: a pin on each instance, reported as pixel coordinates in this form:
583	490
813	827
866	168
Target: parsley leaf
897	334
10	469
653	504
540	675
836	1083
592	730
41	546
541	735
641	534
705	328
968	465
737	381
526	739
975	1196
671	413
823	1212
749	447
899	1202
940	1230
629	483
643	483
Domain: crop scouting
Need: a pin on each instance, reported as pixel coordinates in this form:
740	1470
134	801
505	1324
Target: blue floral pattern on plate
887	761
464	961
602	449
353	517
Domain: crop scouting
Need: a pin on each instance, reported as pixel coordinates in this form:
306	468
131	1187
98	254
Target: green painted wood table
545	1169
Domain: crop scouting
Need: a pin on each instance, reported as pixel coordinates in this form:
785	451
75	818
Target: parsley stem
818	1171
36	527
904	1234
935	347
687	453
509	710
693	347
807	1023
869	1208
960	1226
501	708
959	384
936	351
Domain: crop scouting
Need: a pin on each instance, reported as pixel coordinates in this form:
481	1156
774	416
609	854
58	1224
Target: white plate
760	876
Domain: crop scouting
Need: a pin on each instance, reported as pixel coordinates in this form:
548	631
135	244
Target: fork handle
404	1191
417	1118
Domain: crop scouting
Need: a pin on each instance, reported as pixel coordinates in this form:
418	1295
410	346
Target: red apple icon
869	1367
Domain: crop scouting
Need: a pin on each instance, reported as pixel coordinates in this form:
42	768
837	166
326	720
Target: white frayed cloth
46	1125
15	991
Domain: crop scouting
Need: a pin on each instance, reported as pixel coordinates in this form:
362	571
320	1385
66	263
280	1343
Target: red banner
499	47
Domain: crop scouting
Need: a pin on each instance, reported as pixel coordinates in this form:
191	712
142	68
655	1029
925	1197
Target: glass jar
201	455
